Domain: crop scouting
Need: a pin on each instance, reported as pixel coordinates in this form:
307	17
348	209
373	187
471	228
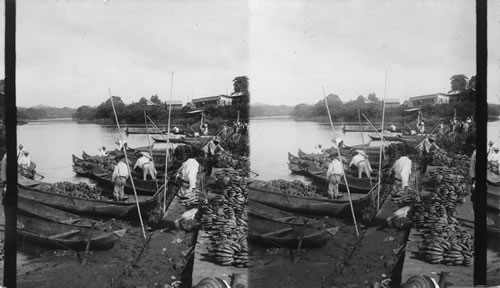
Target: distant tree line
44	112
372	107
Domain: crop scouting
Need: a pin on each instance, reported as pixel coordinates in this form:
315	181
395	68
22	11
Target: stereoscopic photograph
247	144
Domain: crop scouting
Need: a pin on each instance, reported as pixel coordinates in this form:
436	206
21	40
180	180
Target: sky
493	83
69	53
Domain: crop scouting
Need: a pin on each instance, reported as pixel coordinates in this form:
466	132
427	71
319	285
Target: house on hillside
407	104
220	100
432	99
239	98
176	104
464	96
391	103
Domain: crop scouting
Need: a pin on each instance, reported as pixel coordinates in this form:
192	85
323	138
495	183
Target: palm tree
458	83
240	84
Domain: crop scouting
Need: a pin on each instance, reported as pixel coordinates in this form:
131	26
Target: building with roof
220	100
240	98
430	99
391	103
176	104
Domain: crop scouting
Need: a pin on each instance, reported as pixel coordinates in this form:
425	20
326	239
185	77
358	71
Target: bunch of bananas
227	160
296	188
396	149
224	217
451	251
403	198
441	159
80	190
184	152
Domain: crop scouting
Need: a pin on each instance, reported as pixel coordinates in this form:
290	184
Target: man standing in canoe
120	175
145	162
360	161
334	175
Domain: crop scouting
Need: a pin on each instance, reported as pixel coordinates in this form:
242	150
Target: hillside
264	110
44	112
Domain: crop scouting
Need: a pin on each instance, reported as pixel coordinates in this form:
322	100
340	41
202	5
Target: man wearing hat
426	148
489	151
334	175
102	151
119	177
211	150
24	161
145	162
360	161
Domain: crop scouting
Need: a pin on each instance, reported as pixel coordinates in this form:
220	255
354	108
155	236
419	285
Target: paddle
84	260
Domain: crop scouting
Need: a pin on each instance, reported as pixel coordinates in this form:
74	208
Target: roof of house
174	102
428	96
391	101
209	98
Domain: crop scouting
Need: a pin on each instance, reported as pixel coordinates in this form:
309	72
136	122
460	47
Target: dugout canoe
65	236
36	209
147	188
388	137
269	232
356	185
373	156
81	206
158	158
160	139
306	205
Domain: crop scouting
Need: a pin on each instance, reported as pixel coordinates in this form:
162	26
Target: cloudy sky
70	52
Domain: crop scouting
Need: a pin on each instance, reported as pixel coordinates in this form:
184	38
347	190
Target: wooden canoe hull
275	233
42	232
310	206
97	208
356	185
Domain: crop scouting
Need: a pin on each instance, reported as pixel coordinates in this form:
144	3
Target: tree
155	99
372	97
472	83
240	84
458	83
333	99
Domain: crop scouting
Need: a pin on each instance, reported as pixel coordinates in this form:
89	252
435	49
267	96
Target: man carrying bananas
188	174
402	172
426	148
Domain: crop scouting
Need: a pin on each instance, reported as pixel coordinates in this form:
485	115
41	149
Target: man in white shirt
119	177
102	151
334	175
402	170
360	161
20	150
393	128
145	162
24	161
318	149
337	143
490	149
188	174
426	148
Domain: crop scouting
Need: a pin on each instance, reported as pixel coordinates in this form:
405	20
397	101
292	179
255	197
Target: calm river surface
272	138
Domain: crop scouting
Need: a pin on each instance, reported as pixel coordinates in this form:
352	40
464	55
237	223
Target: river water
272	138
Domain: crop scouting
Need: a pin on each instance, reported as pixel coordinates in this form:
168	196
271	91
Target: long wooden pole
381	146
339	155
371	125
126	159
363	139
167	154
149	145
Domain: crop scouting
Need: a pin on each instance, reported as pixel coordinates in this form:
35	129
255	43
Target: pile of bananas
462	163
224	217
441	159
184	152
193	198
396	149
80	190
295	188
403	198
227	160
493	167
457	249
450	184
445	239
106	162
